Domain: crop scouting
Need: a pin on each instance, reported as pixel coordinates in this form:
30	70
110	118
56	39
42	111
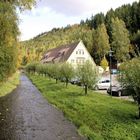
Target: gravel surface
26	115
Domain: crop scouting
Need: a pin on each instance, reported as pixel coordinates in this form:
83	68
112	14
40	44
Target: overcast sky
48	14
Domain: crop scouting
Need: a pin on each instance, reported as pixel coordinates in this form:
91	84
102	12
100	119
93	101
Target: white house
75	53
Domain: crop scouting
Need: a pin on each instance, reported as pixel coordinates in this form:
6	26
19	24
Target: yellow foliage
104	63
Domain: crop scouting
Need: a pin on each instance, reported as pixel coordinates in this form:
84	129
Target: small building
75	53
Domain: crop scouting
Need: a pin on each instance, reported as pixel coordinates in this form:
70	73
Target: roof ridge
66	53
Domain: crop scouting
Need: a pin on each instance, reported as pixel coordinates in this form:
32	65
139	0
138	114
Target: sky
49	14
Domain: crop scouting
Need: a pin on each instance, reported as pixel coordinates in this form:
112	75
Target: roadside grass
97	116
9	85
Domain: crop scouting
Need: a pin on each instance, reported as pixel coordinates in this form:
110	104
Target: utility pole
110	62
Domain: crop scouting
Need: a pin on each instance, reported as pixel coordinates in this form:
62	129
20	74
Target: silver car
118	90
103	84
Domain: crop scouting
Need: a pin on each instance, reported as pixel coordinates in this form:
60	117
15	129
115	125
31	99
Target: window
80	60
72	60
83	61
80	52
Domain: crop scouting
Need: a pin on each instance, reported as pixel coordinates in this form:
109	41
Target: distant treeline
117	30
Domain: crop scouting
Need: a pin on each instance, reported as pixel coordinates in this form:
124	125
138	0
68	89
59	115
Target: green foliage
129	14
131	77
67	72
120	40
41	69
32	67
136	40
97	116
9	85
97	20
37	46
87	74
9	35
24	61
104	63
56	71
8	40
101	43
22	4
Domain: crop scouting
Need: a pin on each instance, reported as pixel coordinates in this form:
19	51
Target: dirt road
26	115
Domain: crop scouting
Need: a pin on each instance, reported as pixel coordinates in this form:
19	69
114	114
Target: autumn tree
9	35
104	63
101	44
120	40
8	40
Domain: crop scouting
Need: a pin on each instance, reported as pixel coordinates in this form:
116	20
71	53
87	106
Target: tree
67	72
131	78
120	40
9	35
110	14
98	20
22	4
8	40
95	21
87	75
136	41
56	71
24	61
101	44
104	63
32	67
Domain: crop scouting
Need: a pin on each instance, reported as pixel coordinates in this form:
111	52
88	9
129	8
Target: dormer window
59	54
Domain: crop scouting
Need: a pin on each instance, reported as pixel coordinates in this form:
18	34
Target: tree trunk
66	84
139	110
139	106
56	80
86	89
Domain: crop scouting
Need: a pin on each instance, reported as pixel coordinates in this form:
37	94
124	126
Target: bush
130	77
87	74
31	68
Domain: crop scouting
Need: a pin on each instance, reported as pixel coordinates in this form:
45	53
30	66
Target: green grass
9	85
96	116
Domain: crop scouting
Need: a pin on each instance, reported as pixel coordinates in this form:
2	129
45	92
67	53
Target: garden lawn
9	85
97	116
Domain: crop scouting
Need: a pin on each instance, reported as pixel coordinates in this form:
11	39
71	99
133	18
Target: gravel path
26	115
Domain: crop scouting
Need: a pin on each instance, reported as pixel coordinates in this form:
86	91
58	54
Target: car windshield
104	81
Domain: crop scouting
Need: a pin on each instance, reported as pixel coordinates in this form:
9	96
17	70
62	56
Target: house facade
75	54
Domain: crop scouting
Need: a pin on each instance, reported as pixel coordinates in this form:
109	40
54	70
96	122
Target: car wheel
96	88
119	93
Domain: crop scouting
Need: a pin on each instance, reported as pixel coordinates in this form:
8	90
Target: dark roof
59	54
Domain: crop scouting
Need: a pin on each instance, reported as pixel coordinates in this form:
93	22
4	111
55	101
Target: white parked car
103	84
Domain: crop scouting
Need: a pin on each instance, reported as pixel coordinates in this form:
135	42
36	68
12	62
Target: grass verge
9	85
97	116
